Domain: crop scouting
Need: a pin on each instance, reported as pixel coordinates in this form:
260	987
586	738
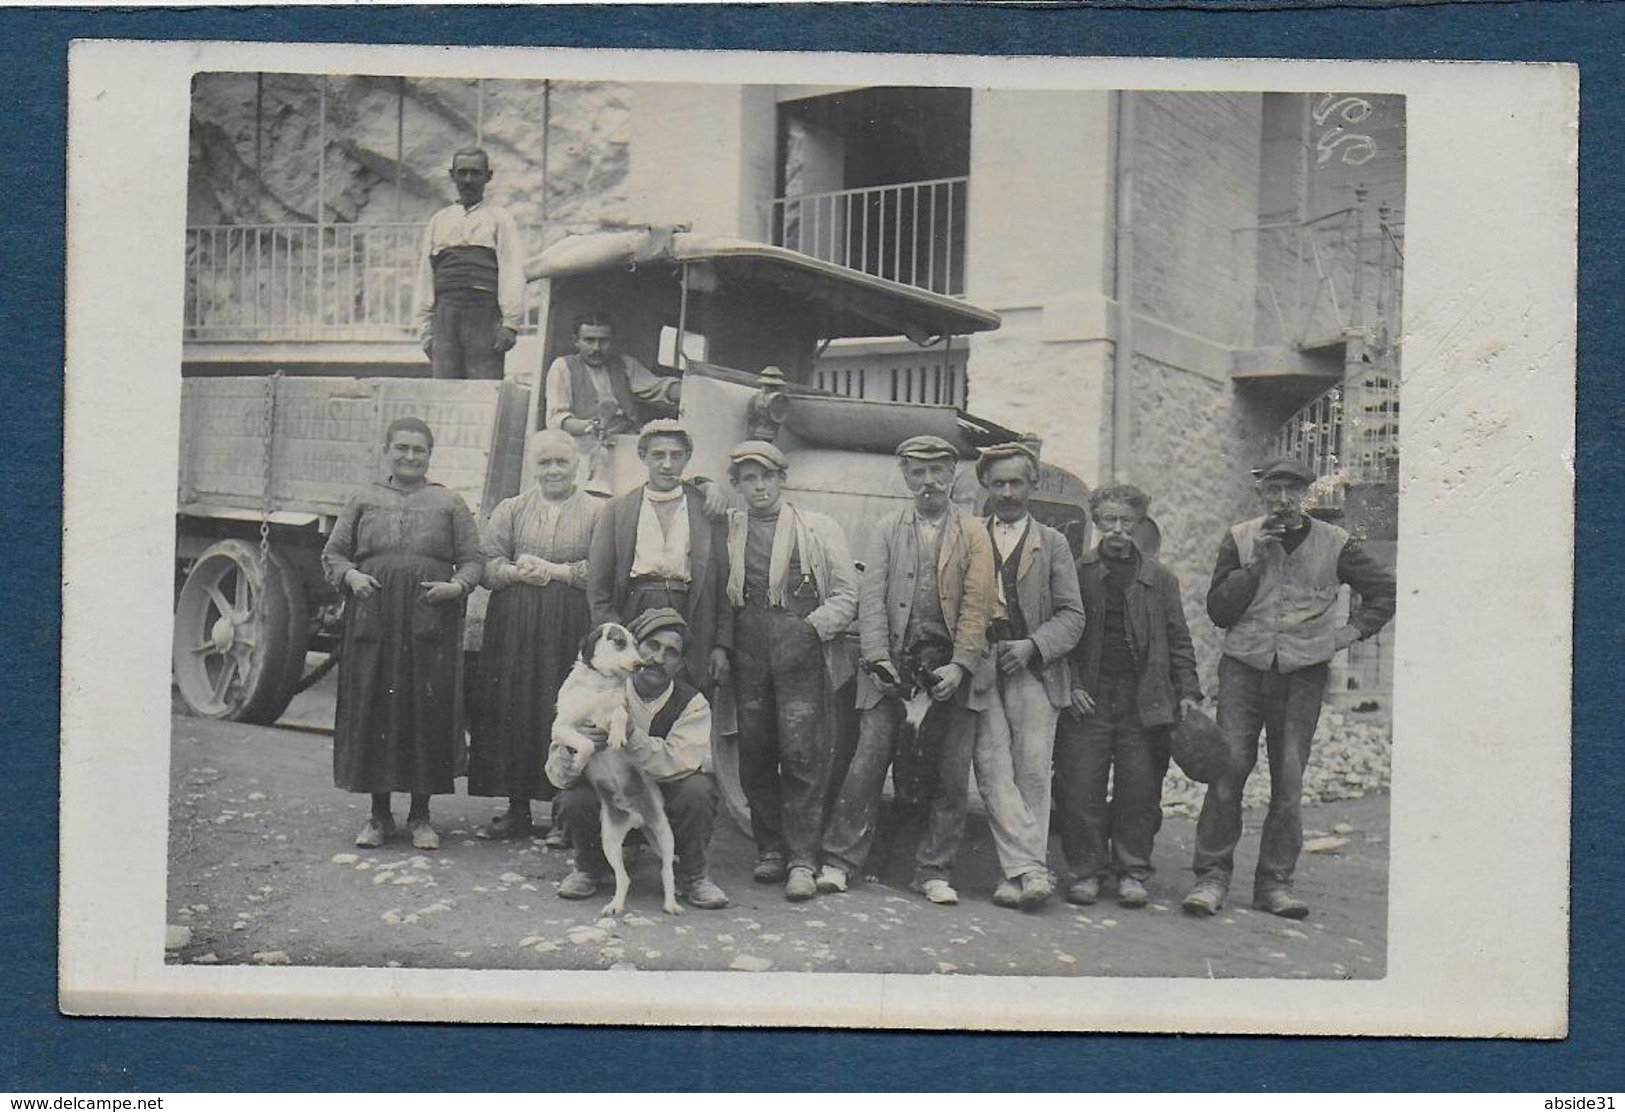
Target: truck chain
267	430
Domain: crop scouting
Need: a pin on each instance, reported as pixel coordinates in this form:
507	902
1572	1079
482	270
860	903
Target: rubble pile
1349	759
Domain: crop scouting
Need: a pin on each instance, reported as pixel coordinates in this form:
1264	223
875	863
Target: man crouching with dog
668	736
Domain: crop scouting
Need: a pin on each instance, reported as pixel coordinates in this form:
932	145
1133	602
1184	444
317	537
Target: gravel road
262	871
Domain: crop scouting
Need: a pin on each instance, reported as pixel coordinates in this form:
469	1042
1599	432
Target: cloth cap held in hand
763	452
1284	467
651	622
927	447
1198	747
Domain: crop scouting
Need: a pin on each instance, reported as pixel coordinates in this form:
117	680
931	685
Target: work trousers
465	330
691	808
1100	838
784	738
1286	706
852	826
1015	746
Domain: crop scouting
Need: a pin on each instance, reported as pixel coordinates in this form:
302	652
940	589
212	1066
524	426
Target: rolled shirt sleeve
686	747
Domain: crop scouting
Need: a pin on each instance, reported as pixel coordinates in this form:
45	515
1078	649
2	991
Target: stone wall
371	178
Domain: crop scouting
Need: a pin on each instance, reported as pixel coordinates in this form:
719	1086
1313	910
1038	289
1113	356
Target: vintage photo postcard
818	540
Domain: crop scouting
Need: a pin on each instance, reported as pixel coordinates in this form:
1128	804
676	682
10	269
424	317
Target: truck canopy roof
846	302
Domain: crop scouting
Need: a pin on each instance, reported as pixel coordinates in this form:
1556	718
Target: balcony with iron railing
909	232
313	282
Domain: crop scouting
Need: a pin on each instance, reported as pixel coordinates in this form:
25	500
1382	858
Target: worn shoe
509	824
831	879
801	885
1205	898
1036	889
1131	892
375	833
1007	894
556	838
1084	892
423	835
769	869
937	890
579	885
1280	901
705	895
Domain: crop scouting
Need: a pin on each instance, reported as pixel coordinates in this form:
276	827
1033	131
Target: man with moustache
597	392
471	278
656	547
1274	593
1038	618
668	736
929	576
794	591
1134	675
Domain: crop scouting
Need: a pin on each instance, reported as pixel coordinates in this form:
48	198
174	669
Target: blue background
43	1051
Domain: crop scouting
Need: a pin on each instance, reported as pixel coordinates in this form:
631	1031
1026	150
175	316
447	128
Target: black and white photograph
668	539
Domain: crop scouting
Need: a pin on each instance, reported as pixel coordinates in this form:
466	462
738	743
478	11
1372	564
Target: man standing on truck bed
597	393
471	278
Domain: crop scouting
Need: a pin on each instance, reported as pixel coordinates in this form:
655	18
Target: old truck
267	462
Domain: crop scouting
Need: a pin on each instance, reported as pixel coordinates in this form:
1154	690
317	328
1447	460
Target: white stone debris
255	797
392	916
271	957
586	936
1325	845
750	964
511	878
176	937
546	947
346	858
210	958
1342	828
623	967
946	967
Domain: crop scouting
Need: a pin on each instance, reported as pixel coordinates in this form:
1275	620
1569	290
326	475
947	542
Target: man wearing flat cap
668	736
794	592
1274	593
929	577
1037	619
655	546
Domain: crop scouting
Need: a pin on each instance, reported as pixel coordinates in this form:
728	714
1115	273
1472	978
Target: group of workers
1040	671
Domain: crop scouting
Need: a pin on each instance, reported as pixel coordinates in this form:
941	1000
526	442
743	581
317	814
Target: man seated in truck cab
599	390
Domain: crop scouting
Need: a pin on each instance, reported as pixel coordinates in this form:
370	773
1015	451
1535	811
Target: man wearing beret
656	547
1038	618
1274	593
794	591
929	577
668	736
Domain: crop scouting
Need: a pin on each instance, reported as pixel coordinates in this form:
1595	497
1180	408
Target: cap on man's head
763	452
664	426
1284	467
1013	449
658	620
926	447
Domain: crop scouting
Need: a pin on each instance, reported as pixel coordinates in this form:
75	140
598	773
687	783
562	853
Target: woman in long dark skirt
535	549
405	552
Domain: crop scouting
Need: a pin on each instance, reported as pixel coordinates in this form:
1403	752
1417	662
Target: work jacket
1164	659
1047	589
964	587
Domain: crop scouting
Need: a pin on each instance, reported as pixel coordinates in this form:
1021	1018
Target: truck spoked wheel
240	634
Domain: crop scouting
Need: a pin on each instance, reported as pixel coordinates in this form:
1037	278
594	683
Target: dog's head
610	650
921	658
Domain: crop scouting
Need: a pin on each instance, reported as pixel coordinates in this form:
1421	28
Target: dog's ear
589	643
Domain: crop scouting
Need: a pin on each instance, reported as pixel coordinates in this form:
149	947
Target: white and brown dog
594	694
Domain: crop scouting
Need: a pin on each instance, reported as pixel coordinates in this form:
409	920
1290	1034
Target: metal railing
911	232
257	282
1348	435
